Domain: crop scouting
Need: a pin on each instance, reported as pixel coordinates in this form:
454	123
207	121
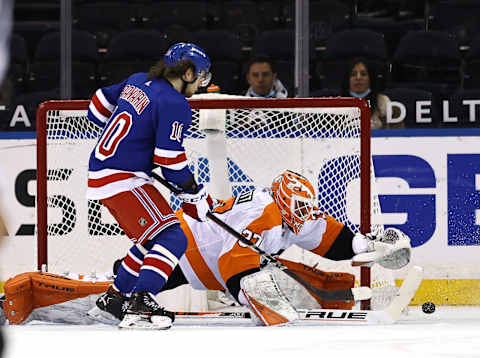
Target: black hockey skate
144	312
112	304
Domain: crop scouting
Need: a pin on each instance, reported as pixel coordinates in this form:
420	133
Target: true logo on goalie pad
337	315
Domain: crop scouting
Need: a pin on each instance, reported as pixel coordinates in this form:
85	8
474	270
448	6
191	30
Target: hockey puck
428	307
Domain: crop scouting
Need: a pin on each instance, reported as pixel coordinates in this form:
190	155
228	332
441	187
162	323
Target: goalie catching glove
261	294
197	205
390	249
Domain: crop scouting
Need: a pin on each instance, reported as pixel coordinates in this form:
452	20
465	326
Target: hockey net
233	145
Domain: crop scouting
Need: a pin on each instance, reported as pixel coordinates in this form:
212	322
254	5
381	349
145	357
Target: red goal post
255	137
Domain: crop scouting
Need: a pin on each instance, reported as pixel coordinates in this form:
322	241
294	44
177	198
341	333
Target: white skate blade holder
137	321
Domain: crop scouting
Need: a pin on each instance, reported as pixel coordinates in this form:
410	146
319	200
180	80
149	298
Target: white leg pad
265	299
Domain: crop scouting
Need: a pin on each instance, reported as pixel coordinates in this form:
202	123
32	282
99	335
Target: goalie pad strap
30	290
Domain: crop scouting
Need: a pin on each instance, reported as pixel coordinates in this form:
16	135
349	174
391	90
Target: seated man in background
263	79
274	219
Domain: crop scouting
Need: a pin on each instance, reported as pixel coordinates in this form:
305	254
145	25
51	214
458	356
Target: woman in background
360	81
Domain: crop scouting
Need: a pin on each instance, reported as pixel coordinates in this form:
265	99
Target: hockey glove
197	205
390	249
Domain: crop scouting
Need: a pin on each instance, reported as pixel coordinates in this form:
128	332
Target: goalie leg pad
18	302
30	290
266	300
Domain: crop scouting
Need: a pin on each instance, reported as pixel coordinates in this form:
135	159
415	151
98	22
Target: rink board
450	261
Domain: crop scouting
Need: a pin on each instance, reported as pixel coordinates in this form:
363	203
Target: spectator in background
263	79
360	81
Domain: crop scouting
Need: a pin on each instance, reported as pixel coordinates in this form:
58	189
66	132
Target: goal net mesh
232	150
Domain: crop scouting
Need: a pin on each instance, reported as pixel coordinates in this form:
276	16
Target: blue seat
262	15
44	73
278	44
19	62
129	52
361	42
136	45
105	19
427	56
457	18
472	65
159	15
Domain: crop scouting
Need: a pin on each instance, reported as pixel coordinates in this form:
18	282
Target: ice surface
449	332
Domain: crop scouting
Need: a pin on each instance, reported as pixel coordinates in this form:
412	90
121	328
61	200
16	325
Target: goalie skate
145	313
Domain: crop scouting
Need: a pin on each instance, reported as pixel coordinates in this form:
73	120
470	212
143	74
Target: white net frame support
213	122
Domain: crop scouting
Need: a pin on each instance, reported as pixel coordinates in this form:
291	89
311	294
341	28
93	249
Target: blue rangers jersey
144	121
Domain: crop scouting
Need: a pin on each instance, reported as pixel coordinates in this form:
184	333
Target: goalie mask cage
233	144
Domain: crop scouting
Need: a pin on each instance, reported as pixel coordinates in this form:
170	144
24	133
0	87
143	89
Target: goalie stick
389	315
356	294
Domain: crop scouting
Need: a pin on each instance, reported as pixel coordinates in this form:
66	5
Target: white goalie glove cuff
262	295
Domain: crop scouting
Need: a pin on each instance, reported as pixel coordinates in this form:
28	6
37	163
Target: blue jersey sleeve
174	118
103	103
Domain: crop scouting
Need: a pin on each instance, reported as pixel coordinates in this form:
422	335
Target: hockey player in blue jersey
144	119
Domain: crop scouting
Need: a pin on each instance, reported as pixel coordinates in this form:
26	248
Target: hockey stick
386	316
356	294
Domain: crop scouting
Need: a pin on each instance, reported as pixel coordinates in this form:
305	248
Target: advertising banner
428	186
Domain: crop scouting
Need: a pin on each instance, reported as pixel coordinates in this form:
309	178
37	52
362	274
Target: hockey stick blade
362	293
405	294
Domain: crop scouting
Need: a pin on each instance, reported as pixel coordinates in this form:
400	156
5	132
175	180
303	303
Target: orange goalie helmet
295	197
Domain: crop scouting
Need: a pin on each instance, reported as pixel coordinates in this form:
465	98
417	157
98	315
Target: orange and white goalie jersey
213	256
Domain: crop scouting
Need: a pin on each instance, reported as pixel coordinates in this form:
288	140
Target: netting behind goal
233	145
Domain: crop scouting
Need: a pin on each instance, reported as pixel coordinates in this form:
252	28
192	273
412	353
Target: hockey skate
144	312
109	306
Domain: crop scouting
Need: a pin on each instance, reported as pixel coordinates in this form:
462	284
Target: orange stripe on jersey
241	258
331	233
237	260
196	260
270	218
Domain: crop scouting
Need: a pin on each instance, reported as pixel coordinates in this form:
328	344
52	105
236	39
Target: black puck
428	307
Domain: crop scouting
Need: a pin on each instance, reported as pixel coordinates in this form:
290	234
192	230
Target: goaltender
274	219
